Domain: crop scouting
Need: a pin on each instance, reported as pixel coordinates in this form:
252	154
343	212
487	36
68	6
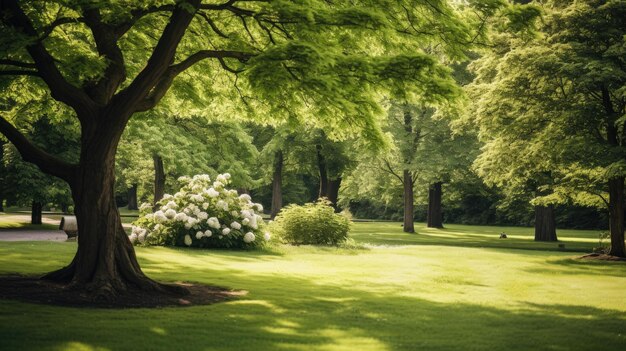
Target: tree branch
60	89
30	153
160	59
174	70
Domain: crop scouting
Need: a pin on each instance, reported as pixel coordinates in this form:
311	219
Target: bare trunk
132	198
616	216
105	263
277	183
35	212
159	178
545	224
323	172
408	203
434	215
333	192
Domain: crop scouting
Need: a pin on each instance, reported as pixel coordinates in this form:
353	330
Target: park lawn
393	294
21	221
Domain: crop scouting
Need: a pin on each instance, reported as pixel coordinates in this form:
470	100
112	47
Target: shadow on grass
576	266
300	314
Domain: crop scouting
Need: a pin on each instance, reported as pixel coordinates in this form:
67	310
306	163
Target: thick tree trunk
277	184
132	197
545	223
105	263
159	178
434	215
333	192
616	216
408	226
323	173
35	212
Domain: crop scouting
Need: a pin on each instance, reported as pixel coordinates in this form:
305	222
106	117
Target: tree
316	62
553	106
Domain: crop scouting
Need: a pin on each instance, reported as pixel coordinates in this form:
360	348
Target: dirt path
32	235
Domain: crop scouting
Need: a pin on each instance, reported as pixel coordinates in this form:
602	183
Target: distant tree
553	106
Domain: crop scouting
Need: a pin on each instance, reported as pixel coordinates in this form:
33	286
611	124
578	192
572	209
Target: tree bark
35	212
333	192
1	204
132	197
323	173
545	223
159	178
616	216
434	215
105	263
277	183
408	225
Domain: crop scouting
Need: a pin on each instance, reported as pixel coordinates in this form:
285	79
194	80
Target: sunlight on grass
442	295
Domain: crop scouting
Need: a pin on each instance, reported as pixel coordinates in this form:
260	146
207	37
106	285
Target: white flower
267	236
254	221
221	178
213	223
245	221
170	213
213	193
226	175
184	179
234	213
167	197
203	216
188	240
171	205
181	217
221	204
132	238
197	198
246	214
208	233
217	184
145	207
245	197
259	207
226	231
249	237
205	206
199	235
196	188
235	225
159	217
141	237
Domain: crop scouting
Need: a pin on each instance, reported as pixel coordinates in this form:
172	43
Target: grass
450	289
22	222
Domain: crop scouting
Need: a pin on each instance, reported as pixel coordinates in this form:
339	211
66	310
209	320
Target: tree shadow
297	313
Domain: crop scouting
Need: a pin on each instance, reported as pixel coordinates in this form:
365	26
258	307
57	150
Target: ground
460	288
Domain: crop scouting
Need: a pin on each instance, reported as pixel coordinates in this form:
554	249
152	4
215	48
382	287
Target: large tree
551	108
319	62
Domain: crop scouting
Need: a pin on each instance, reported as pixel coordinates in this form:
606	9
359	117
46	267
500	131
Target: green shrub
312	223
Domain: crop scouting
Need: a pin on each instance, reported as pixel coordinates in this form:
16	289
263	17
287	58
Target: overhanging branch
30	153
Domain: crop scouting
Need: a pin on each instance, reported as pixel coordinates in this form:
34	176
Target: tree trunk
408	203
323	172
105	263
159	178
616	216
545	224
132	197
333	192
277	183
434	215
1	204
35	212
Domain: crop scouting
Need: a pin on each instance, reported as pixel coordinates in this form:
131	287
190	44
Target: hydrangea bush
202	214
312	223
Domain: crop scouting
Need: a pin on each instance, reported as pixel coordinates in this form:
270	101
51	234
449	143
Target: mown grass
395	294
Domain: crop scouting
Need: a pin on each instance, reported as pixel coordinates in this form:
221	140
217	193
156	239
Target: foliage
312	223
202	214
550	108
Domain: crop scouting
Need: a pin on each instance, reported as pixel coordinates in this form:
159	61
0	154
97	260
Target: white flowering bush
202	214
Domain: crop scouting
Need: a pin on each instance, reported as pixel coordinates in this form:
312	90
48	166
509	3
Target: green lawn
436	290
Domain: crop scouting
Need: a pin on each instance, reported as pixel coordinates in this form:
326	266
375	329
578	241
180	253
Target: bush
202	214
312	223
